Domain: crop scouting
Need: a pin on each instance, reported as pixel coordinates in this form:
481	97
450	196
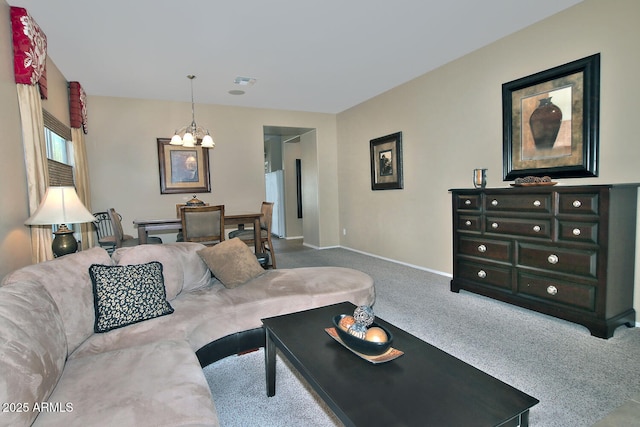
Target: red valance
77	106
29	50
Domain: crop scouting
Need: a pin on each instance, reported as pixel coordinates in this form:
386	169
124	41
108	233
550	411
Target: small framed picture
551	122
183	169
386	162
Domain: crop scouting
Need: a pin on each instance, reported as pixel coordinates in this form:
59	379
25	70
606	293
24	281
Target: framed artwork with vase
386	162
551	122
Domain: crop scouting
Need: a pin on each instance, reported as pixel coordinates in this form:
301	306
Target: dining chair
179	236
104	230
203	224
247	235
125	240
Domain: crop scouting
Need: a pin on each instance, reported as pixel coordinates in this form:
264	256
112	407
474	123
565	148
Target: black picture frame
175	176
386	162
572	152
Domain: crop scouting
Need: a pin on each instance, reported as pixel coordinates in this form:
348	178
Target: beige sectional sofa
55	370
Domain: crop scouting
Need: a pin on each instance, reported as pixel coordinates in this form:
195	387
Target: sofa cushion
232	262
183	269
67	281
156	384
33	349
127	294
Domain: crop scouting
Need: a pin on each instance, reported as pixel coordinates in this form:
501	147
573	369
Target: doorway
286	151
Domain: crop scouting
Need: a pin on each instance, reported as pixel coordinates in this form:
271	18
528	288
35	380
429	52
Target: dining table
146	225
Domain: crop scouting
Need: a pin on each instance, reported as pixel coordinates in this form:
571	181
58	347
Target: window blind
56	125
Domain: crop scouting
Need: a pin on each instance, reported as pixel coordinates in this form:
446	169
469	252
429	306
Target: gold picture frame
183	169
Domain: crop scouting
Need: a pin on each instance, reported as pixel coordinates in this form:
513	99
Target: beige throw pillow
232	262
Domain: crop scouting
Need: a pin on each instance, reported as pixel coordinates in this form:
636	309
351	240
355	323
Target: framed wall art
386	162
183	169
551	122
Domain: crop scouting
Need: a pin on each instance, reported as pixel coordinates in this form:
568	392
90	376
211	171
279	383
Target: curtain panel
35	155
78	119
30	57
82	184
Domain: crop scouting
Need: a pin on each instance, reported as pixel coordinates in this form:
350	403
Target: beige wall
451	121
15	241
310	198
123	159
57	102
293	225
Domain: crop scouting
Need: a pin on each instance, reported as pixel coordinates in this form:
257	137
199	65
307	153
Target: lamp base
64	243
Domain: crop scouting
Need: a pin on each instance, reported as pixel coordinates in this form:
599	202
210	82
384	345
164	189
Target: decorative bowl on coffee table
369	348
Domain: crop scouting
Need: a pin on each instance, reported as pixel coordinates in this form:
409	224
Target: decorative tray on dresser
566	251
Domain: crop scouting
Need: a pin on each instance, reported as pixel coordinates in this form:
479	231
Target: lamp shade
61	205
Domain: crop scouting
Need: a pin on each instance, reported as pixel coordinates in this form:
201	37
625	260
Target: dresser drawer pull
536	228
494	225
467	223
577	203
576	231
537	203
482	248
482	274
552	290
494	202
467	202
553	259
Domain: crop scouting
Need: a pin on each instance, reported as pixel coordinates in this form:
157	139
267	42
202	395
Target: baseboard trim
320	248
441	273
418	267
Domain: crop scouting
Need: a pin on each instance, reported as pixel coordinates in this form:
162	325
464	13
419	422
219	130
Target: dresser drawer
484	274
485	248
468	201
538	203
574	231
578	203
519	226
469	223
572	294
563	260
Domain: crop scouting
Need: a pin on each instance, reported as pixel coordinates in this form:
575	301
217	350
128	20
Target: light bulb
188	140
176	140
207	142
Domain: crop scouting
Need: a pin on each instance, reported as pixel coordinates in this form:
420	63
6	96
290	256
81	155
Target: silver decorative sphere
358	330
364	315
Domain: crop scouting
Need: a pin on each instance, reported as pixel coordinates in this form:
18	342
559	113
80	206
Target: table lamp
61	205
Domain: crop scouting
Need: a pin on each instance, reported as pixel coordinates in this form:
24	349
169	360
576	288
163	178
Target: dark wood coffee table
423	387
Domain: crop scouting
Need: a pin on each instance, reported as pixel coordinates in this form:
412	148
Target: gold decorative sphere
376	334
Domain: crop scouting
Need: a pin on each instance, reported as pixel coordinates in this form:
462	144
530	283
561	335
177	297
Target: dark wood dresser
566	251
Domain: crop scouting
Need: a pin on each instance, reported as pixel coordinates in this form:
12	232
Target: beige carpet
578	379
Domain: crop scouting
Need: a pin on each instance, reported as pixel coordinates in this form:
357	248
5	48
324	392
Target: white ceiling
307	55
